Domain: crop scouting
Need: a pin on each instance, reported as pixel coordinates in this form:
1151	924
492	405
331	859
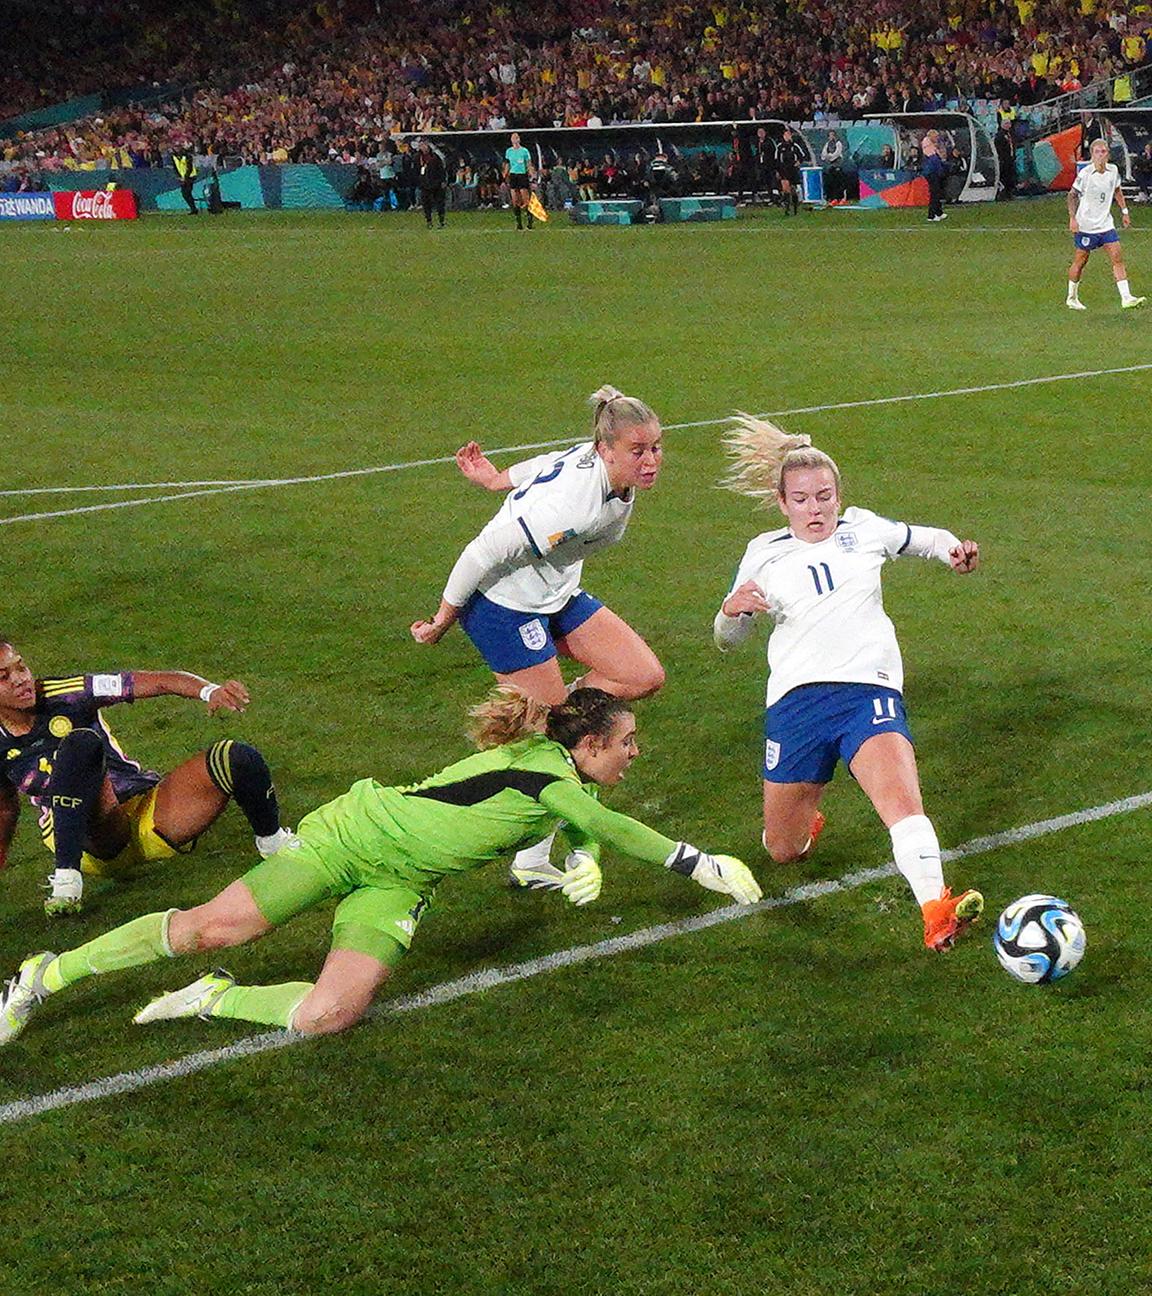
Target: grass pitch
801	1101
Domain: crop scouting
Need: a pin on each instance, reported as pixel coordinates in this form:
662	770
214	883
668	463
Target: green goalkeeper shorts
378	919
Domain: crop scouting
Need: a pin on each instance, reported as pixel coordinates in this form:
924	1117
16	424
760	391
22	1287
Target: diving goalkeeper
382	851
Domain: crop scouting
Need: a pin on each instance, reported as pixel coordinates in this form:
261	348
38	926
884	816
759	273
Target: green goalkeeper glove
723	873
582	878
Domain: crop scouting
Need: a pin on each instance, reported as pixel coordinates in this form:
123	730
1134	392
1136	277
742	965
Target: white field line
489	978
836	221
245	484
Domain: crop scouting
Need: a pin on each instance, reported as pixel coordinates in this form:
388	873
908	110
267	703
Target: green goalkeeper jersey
483	807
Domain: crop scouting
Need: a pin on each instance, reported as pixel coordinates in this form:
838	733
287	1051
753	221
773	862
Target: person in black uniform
1005	147
185	166
790	156
431	166
764	161
99	811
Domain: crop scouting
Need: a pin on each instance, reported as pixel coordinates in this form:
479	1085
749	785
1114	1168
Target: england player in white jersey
835	673
1092	225
516	588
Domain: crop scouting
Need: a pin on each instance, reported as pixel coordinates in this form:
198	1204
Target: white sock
1122	285
1073	291
917	855
534	857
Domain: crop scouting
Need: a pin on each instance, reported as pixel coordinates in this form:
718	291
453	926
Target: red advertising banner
95	204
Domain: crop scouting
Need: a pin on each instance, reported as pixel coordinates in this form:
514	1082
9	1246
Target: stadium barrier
606	211
74	204
707	208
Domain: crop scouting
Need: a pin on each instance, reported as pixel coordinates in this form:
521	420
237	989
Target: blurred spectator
832	160
1006	157
1142	174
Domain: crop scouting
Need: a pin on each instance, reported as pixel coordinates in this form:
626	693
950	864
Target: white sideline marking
489	978
245	484
123	486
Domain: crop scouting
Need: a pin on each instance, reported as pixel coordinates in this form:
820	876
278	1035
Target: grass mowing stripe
129	1081
222	488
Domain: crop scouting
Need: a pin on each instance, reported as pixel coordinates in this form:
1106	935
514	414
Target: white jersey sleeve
730	632
526	469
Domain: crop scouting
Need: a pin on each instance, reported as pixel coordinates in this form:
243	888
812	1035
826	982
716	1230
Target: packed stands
327	81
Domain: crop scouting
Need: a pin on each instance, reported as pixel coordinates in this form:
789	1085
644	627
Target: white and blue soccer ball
1039	938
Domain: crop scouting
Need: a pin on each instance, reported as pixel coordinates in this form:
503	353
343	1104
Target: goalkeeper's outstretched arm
588	821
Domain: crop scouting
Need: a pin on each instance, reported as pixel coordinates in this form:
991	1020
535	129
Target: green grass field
802	1101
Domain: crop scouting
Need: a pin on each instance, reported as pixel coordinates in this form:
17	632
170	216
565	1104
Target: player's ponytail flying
762	453
612	411
506	715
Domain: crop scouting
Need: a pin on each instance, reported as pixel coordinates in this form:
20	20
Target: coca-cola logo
93	206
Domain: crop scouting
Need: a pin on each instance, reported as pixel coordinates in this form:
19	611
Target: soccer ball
1039	938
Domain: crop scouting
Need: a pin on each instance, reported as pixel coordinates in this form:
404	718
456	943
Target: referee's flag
536	208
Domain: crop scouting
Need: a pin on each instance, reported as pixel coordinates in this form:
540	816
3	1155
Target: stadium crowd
335	78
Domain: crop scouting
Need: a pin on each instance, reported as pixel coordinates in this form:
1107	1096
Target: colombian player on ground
1092	225
835	673
516	587
100	813
383	851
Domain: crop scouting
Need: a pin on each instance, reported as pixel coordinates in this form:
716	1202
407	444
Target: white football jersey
825	599
566	511
1096	190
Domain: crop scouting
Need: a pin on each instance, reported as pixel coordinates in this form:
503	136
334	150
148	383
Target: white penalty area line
202	489
490	978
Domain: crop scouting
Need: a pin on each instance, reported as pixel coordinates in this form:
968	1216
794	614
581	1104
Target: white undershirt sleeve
930	542
495	548
730	632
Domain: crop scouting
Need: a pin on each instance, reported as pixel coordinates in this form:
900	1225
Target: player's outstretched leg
143	940
77	779
338	999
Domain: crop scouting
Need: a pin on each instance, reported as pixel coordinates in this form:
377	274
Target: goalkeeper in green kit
381	852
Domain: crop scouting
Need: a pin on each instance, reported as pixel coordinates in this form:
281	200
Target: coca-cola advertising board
95	204
27	206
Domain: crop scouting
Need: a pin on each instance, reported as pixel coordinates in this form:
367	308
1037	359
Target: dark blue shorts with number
811	728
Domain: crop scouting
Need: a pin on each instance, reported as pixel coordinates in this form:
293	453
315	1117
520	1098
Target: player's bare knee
327	1019
782	849
648	680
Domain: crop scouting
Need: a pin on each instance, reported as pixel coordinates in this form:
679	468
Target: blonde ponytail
761	453
506	715
612	411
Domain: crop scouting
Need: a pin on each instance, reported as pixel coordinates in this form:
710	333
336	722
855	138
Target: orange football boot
949	917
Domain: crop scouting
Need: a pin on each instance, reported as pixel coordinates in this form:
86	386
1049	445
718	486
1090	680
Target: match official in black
790	156
431	182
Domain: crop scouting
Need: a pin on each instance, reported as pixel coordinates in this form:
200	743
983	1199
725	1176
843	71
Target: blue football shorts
1090	242
812	727
510	641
